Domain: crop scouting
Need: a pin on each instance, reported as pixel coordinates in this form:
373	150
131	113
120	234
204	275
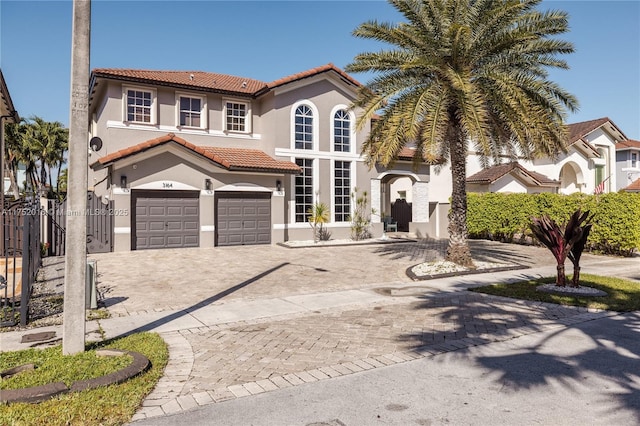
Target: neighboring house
198	159
590	160
628	165
8	113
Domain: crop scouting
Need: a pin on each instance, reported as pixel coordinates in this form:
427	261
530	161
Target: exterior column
420	202
376	203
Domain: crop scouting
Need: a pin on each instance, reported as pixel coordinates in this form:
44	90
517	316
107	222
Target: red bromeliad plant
576	252
563	243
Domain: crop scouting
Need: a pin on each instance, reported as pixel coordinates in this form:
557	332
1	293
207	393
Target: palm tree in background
35	143
461	73
49	141
14	134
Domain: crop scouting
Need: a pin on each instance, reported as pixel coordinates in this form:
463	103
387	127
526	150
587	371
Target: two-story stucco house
199	159
590	160
628	165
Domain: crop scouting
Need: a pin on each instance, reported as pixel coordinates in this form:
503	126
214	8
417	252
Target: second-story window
139	104
634	160
341	131
236	117
190	111
304	127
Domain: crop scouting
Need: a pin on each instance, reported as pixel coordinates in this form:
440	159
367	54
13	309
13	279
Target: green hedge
506	217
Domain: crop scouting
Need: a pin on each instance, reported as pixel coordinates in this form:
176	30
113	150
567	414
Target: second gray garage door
165	219
243	218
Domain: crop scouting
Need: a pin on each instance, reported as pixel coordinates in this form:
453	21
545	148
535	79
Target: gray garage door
165	219
243	218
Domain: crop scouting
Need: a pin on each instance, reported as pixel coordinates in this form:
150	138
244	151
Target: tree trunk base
561	278
575	282
460	255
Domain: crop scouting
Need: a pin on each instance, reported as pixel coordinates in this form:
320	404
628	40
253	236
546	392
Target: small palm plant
577	249
568	241
318	216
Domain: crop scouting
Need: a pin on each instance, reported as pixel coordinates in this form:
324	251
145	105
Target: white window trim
315	128
248	118
352	187
154	105
203	110
352	131
315	175
634	163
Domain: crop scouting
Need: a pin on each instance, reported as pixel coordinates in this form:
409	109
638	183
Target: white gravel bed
578	291
446	267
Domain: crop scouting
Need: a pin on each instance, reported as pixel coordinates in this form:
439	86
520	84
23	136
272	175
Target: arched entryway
402	195
571	178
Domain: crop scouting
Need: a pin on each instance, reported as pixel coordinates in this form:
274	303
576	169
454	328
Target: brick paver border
166	399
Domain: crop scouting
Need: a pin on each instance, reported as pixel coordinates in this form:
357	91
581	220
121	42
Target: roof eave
153	82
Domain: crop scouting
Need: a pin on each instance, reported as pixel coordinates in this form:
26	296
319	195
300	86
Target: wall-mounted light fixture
279	185
123	181
207	184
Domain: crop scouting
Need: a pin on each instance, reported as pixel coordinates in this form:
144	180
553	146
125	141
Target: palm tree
318	216
14	134
463	73
49	141
18	151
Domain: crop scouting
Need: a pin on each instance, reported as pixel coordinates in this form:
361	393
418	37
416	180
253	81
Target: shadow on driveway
208	301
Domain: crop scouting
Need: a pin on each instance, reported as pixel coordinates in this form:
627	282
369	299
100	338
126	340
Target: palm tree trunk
561	278
458	250
575	282
14	181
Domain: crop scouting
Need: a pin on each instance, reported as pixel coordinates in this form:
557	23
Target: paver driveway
158	280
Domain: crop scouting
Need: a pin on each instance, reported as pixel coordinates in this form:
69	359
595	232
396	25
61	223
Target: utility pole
73	329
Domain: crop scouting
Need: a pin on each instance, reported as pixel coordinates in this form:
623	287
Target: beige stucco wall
271	132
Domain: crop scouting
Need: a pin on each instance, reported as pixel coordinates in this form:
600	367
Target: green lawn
623	295
111	405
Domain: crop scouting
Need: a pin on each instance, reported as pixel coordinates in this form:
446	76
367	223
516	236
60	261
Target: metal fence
20	259
99	225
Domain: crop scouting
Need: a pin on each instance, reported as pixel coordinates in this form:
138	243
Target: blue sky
267	40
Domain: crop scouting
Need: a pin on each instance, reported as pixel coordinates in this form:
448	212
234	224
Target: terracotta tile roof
634	187
311	73
579	130
492	174
188	79
627	144
408	152
248	159
209	81
228	158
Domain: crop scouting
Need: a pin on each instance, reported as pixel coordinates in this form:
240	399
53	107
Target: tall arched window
303	127
341	131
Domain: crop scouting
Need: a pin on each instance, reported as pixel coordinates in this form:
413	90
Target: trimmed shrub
506	217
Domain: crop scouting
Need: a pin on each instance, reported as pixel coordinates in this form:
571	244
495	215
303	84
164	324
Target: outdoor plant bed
345	242
139	364
581	291
444	269
621	295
